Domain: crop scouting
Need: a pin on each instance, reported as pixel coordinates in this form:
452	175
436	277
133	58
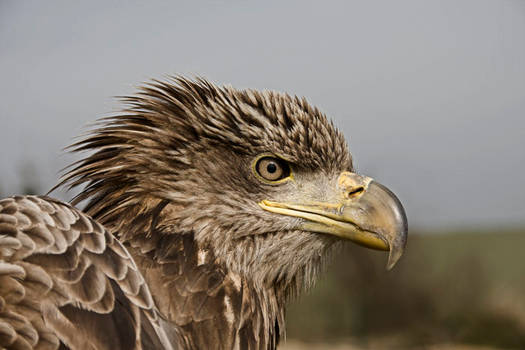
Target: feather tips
53	256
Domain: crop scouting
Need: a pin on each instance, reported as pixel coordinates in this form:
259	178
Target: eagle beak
363	211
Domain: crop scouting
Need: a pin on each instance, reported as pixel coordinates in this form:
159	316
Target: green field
449	288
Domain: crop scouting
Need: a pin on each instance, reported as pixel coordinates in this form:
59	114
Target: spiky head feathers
188	148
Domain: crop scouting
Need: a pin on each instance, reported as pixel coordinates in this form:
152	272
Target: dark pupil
271	168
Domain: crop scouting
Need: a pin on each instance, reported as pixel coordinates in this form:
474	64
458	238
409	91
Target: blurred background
431	98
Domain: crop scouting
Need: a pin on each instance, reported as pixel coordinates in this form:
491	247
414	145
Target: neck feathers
208	304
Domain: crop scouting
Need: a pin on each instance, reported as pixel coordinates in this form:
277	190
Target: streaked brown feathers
57	264
178	250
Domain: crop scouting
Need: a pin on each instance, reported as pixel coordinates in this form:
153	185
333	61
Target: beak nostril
355	191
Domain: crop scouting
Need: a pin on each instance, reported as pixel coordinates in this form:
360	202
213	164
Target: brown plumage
185	250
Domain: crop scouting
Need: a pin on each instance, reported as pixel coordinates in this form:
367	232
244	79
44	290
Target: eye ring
271	169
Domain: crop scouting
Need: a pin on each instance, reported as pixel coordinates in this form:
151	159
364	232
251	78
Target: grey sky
430	94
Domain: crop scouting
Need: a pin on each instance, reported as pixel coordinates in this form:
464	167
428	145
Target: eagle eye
272	169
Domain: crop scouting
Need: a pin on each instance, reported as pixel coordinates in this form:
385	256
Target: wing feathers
95	243
8	245
41	234
61	274
73	275
90	288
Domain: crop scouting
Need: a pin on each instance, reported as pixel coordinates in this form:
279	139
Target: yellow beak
364	212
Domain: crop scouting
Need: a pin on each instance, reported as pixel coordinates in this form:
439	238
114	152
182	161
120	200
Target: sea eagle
207	209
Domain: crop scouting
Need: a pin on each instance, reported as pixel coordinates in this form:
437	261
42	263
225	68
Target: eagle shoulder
65	280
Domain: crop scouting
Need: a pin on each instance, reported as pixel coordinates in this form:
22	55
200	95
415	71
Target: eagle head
263	181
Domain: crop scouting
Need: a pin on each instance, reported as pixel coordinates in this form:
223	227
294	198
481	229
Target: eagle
206	209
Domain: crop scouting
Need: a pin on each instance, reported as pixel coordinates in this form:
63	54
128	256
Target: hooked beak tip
395	227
